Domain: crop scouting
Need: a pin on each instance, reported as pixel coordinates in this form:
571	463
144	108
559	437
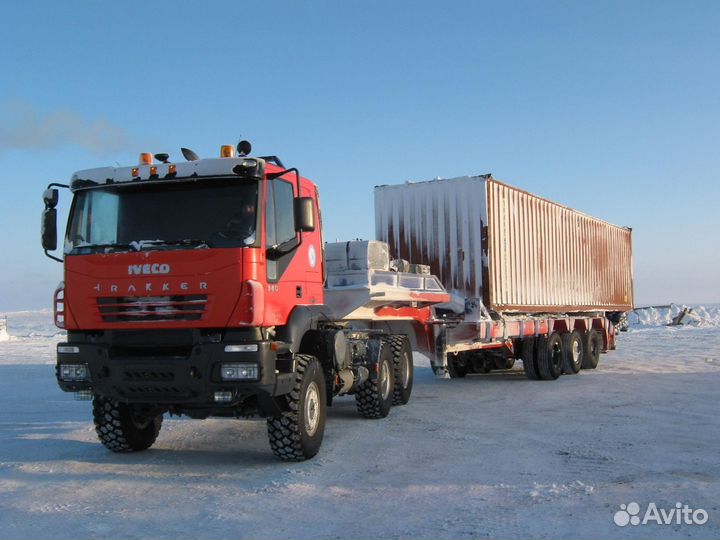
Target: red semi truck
203	288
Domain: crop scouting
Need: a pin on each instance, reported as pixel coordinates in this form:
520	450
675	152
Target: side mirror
49	228
304	214
50	197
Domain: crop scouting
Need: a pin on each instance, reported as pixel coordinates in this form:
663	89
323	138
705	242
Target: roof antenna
244	148
189	154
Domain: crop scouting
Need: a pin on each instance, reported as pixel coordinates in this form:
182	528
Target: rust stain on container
516	251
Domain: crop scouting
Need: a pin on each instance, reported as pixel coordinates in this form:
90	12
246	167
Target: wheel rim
405	371
384	380
556	355
312	408
576	351
140	421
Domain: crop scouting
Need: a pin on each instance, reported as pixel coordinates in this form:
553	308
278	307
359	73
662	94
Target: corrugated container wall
516	251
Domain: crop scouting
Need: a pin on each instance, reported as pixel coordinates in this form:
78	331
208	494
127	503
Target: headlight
238	372
248	347
74	372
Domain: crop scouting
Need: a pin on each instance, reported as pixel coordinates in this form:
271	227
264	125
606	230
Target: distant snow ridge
28	325
4	336
695	316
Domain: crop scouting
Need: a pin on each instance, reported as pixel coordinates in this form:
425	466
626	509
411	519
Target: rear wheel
592	345
483	365
297	434
504	363
402	367
528	358
549	356
457	366
124	428
374	397
572	352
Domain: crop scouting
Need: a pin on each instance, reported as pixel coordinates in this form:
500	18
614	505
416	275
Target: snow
661	316
489	455
31	336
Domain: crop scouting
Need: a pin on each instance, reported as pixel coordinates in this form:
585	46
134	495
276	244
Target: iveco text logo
145	269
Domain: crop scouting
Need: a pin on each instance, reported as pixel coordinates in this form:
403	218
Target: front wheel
124	428
297	434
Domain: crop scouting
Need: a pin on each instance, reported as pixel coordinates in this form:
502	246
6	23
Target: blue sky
609	107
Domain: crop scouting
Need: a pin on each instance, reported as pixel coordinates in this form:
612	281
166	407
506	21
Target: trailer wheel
402	367
457	368
122	427
504	363
485	365
592	343
572	352
297	434
528	358
549	356
374	397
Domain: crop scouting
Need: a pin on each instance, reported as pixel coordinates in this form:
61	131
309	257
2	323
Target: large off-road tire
374	397
122	428
402	367
457	368
549	356
573	352
592	344
297	434
528	358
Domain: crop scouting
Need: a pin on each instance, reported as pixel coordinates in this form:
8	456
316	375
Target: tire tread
284	431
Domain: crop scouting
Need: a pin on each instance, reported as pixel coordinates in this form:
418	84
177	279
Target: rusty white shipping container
515	251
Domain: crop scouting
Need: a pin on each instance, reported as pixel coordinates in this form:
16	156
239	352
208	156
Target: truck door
285	271
313	248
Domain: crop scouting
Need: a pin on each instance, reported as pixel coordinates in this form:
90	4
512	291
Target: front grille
148	375
189	307
157	391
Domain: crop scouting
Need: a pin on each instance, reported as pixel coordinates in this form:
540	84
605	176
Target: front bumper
173	378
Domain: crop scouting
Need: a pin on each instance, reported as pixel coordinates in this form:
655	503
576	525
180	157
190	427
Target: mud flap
438	361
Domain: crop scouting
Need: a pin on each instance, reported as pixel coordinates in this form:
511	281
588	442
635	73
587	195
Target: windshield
182	215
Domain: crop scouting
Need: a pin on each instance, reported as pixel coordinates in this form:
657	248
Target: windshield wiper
129	247
180	242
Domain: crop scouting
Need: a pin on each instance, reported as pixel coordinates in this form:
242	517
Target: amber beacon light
227	151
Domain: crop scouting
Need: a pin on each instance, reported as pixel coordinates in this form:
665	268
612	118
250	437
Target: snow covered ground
490	455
